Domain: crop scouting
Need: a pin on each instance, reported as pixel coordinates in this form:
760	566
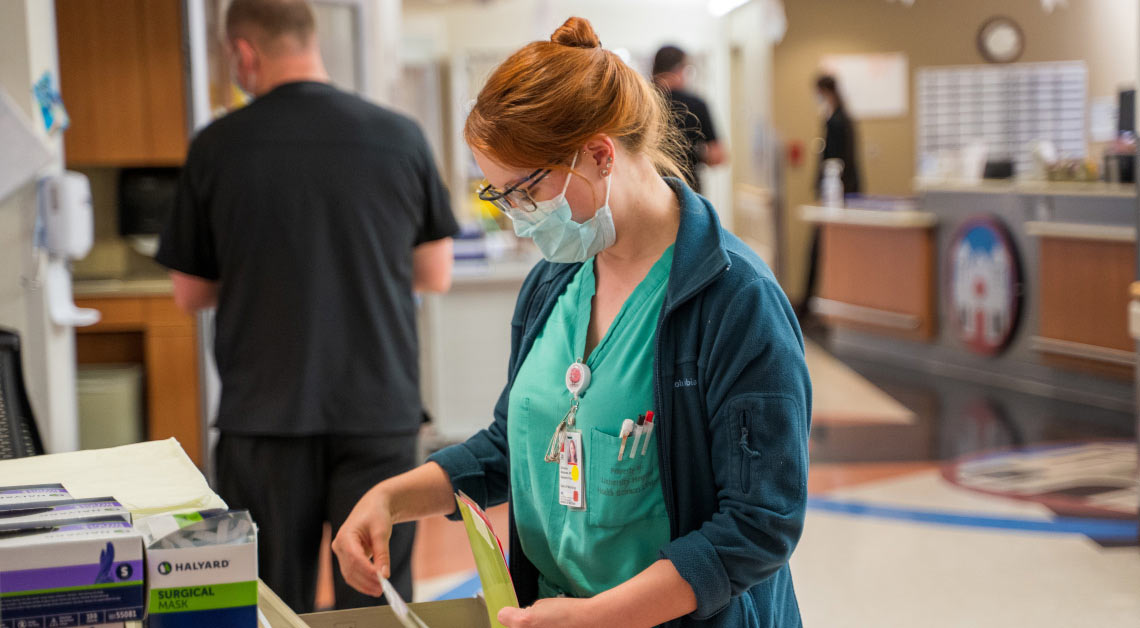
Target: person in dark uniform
308	218
838	135
690	113
839	142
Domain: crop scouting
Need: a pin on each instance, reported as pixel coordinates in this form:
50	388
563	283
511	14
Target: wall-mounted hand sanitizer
67	232
69	223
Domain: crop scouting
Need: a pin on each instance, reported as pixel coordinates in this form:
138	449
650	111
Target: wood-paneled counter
146	327
877	270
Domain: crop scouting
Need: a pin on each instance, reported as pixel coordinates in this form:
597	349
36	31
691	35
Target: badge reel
567	446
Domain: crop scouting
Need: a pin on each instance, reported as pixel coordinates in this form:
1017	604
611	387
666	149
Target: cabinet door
165	73
122	80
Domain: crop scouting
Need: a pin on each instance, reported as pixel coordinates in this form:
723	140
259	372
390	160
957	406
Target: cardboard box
32	493
71	573
465	613
31	514
193	579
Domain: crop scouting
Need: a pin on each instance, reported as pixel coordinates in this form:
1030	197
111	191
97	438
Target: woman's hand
365	535
361	544
556	612
650	598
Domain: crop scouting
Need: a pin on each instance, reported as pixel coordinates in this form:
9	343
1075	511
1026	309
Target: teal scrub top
581	553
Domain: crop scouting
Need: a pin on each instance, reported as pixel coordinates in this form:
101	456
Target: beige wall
932	32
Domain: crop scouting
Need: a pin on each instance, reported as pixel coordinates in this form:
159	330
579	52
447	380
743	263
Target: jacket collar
699	255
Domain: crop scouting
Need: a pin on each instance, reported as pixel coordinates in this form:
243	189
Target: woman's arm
650	598
422	492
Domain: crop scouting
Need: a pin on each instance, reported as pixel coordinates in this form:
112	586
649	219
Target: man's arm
194	293
715	154
431	266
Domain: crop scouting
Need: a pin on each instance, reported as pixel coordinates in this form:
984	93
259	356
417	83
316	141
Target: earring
609	164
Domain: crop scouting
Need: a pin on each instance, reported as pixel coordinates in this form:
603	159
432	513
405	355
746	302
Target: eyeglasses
516	196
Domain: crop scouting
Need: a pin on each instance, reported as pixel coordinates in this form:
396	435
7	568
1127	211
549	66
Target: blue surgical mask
558	237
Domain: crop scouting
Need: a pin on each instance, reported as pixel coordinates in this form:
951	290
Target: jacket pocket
770	449
621	493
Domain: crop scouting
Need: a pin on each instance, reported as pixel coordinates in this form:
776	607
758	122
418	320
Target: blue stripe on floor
468	588
1101	529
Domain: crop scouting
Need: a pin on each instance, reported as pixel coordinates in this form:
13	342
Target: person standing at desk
838	136
643	303
838	143
308	218
690	113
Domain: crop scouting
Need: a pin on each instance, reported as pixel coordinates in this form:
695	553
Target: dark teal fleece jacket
733	410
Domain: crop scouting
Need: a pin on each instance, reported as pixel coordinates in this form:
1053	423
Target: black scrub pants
293	485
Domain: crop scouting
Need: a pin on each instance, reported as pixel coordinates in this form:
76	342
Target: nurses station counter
1016	284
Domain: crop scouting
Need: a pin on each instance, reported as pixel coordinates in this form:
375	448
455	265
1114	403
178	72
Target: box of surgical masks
70	573
28	514
10	495
201	569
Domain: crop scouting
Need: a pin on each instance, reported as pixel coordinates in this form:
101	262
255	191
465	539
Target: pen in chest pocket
648	431
637	432
627	428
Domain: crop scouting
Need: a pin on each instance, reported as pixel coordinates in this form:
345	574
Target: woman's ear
599	153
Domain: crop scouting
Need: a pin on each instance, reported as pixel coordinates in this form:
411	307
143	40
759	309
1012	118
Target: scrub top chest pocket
626	491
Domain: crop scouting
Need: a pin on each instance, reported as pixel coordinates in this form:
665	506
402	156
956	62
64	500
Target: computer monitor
1127	110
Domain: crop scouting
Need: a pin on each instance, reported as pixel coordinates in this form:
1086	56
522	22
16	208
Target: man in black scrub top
309	218
690	113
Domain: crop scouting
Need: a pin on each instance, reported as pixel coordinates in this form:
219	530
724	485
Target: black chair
19	437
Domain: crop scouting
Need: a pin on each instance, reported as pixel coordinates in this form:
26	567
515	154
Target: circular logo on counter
1094	479
985	285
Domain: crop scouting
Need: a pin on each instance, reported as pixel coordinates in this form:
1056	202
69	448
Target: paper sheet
150	478
400	607
490	559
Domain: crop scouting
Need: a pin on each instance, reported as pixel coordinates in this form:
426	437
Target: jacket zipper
745	459
665	426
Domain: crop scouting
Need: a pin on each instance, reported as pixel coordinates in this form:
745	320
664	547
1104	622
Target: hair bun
576	32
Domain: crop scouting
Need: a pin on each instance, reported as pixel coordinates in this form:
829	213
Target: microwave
146	199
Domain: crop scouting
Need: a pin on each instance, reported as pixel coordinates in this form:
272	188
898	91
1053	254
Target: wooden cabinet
153	331
1084	276
123	81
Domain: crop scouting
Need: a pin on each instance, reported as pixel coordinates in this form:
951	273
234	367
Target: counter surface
122	287
869	217
1028	188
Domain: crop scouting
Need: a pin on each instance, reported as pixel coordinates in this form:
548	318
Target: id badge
572	471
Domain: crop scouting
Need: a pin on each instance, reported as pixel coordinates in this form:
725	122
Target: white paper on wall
1102	120
22	152
873	85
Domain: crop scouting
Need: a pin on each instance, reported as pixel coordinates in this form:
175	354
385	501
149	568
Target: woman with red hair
644	309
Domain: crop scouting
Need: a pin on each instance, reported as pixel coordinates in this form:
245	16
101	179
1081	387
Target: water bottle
831	189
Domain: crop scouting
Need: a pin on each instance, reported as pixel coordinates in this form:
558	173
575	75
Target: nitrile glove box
31	494
70	573
201	570
35	513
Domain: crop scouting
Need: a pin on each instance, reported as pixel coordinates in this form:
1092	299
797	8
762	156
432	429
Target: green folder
490	559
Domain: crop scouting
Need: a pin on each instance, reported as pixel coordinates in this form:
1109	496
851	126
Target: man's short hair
272	18
668	59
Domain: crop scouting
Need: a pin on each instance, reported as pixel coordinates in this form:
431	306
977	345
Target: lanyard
577	380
